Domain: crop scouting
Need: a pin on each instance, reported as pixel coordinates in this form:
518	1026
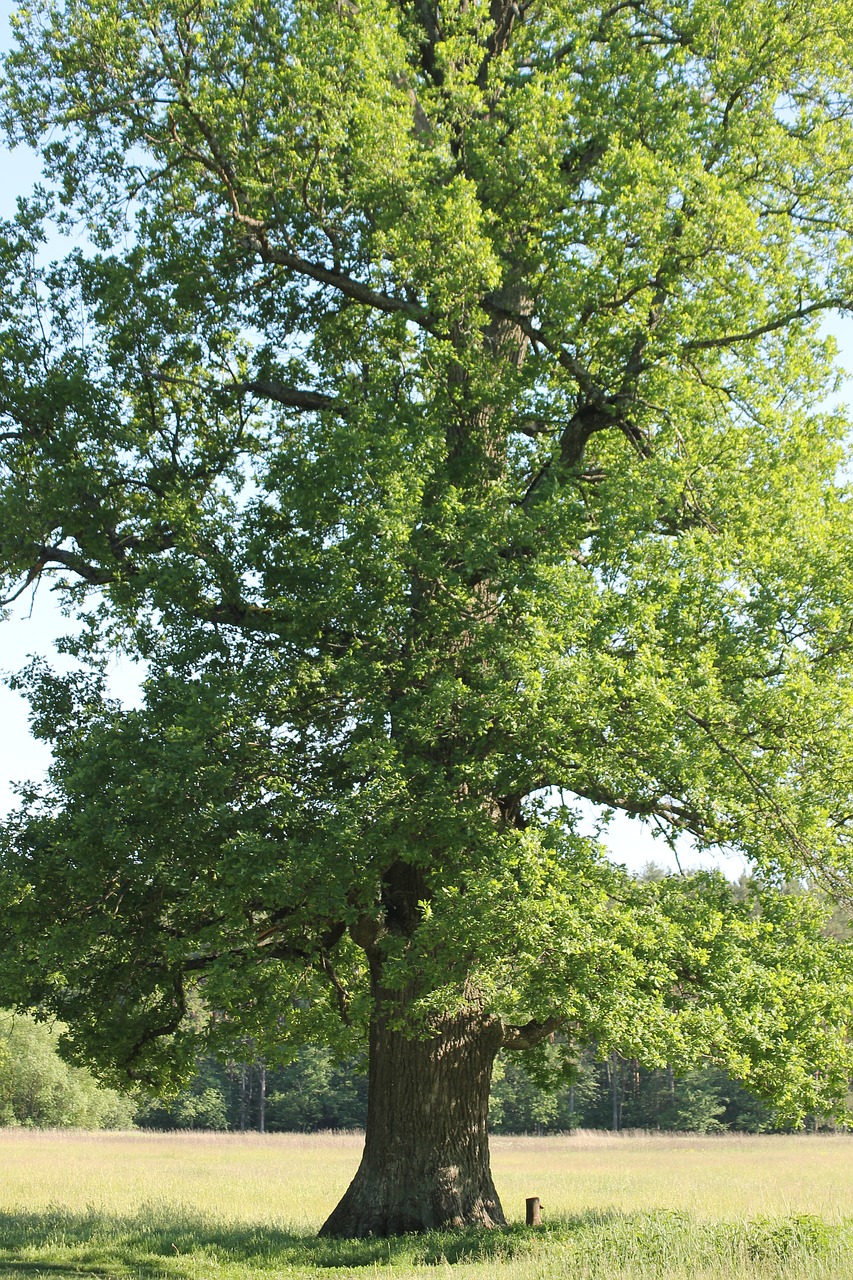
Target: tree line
314	1092
39	1090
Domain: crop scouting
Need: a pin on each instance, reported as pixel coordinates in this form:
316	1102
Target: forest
314	1093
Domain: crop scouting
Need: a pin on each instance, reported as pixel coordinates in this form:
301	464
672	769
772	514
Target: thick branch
292	397
43	557
530	1034
95	575
680	817
264	388
342	996
345	284
593	392
504	14
573	441
252	617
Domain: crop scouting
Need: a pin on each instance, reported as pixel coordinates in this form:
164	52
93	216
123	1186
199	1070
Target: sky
35	622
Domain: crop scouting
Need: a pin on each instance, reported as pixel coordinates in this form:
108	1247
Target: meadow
235	1207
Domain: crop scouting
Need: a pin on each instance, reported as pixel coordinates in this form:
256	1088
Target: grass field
229	1207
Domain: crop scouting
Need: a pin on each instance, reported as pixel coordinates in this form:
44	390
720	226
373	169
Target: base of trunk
378	1204
425	1165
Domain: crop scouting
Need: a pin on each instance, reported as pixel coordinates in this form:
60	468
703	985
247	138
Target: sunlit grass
711	1177
230	1207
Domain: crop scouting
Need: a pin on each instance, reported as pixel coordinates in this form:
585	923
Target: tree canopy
441	413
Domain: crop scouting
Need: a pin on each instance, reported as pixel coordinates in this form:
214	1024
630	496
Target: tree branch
749	335
529	1035
594	393
345	284
44	556
292	397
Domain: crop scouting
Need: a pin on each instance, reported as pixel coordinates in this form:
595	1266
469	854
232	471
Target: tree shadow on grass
168	1242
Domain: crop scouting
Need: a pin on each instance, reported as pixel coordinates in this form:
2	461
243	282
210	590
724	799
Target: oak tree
437	404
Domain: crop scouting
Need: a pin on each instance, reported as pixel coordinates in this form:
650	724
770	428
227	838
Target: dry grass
711	1177
293	1180
231	1207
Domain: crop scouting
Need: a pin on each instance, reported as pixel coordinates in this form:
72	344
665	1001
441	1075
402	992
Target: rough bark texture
426	1154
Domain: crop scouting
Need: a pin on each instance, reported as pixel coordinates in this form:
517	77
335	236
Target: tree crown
439	413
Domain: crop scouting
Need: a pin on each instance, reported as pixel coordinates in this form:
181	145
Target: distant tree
694	1102
517	1104
313	1092
438	415
548	1095
202	1105
38	1089
744	1112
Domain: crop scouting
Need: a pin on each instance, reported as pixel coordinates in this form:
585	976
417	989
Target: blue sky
35	622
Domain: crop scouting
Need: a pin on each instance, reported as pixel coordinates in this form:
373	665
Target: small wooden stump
534	1212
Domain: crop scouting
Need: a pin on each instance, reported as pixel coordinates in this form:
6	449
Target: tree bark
426	1154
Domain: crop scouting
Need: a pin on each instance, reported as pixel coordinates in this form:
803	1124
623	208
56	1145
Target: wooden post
534	1212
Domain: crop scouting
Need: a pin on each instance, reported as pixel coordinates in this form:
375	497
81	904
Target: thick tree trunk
426	1154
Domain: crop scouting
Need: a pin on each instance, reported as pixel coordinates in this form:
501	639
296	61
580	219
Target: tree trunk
615	1083
426	1153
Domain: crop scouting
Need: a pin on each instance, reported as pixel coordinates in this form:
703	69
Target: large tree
438	408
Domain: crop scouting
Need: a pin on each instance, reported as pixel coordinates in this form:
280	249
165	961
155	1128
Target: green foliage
309	1093
521	1105
313	1092
435	416
38	1089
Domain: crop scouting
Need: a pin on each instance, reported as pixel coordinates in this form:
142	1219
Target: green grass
203	1207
